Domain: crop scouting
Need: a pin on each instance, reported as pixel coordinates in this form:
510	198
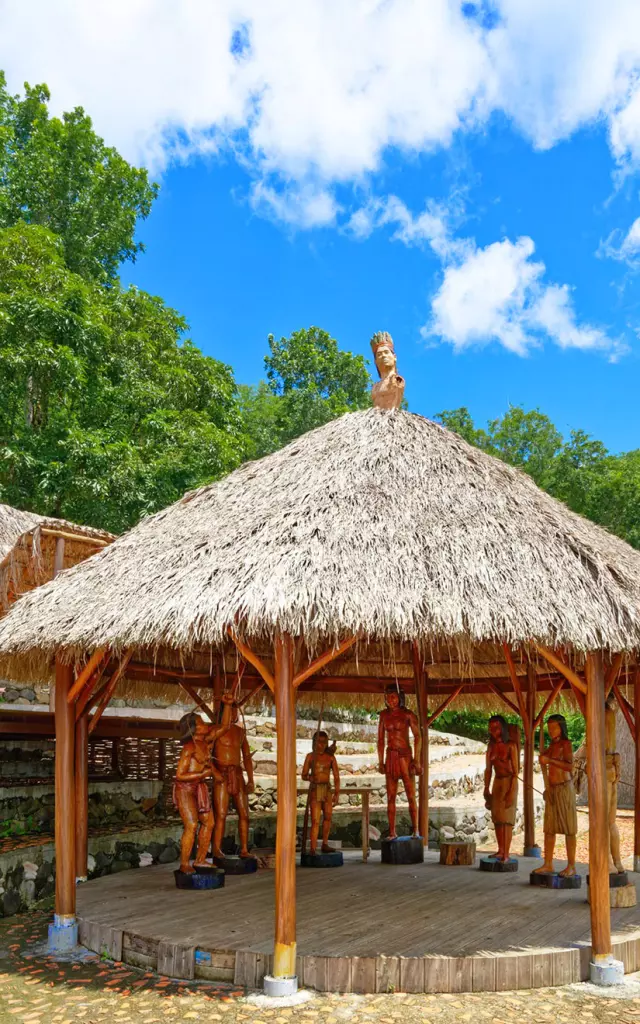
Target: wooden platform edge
481	972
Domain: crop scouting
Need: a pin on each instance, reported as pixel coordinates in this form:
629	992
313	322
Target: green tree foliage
57	173
105	412
309	382
579	471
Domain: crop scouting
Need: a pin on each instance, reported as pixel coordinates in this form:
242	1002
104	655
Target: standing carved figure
230	753
388	392
613	778
502	759
318	767
191	794
560	815
396	722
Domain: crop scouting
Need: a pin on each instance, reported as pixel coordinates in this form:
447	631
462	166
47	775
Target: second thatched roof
381	524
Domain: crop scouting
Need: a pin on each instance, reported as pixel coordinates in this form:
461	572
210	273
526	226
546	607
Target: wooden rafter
547	704
445	704
93	692
323	660
83	678
515	682
554	659
252	658
197	699
612	673
627	710
503	697
108	691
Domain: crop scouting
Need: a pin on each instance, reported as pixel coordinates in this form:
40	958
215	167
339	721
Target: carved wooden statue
388	392
560	815
613	778
318	768
191	787
501	799
230	753
396	722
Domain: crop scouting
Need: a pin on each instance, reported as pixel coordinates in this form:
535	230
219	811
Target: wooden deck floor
360	910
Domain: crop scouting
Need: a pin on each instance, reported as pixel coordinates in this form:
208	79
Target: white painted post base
280	986
606	971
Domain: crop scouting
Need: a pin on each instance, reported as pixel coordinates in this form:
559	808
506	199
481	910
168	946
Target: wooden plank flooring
359	910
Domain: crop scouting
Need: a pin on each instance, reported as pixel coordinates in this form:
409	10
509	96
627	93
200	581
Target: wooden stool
622	892
454	853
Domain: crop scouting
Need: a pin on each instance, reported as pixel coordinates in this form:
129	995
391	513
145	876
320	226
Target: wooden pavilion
378	547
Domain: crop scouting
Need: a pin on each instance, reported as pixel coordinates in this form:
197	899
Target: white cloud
432	225
317	90
623	247
498	293
304	207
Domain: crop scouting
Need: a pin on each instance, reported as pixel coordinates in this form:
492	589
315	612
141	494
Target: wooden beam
253	659
76	537
65	826
598	816
547	704
499	693
323	660
284	955
445	704
612	673
108	692
515	682
58	560
197	699
557	662
151	671
627	711
83	678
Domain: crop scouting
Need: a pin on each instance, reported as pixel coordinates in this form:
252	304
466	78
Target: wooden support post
530	848
365	827
82	797
636	804
284	956
65	826
598	817
420	678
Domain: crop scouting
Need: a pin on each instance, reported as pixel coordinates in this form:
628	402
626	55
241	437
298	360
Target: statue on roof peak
388	392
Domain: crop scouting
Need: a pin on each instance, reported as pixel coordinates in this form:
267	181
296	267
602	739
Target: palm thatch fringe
379	524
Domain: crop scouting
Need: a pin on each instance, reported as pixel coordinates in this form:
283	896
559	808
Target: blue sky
466	179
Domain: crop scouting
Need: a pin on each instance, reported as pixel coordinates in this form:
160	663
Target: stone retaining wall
31	808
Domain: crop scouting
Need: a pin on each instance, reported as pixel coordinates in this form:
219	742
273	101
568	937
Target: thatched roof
27	549
380	523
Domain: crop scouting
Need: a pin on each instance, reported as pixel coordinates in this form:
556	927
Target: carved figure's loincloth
321	791
500	813
397	762
560	815
233	777
199	789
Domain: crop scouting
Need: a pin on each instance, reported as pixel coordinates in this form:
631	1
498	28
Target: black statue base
617	879
322	860
501	866
552	880
237	865
202	878
403	850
